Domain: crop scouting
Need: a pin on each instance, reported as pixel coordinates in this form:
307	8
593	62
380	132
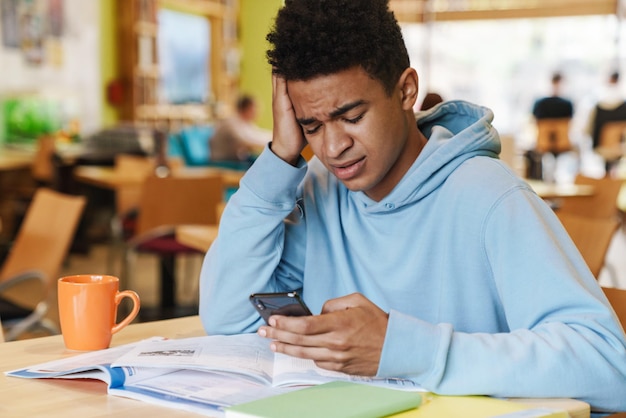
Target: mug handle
118	298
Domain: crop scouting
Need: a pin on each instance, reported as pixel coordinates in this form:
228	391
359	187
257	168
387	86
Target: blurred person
611	107
425	256
238	138
554	106
541	163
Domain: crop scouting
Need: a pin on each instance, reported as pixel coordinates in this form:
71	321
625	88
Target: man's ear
408	84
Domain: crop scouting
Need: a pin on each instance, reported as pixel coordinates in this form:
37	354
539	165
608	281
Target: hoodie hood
456	131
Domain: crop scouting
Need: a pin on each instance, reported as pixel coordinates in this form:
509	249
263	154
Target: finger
317	354
323	357
305	325
345	302
280	89
293	334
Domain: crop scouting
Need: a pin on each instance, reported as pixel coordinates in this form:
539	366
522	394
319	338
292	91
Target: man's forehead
328	94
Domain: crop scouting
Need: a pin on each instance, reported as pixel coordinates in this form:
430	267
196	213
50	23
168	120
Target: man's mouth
348	170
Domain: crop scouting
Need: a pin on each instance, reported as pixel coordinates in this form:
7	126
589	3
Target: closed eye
311	131
355	120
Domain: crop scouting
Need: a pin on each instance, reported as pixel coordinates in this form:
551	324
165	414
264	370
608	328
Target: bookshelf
138	29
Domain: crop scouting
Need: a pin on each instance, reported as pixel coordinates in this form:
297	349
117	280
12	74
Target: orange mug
88	308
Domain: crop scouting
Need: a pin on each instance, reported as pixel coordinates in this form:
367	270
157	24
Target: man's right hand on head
288	139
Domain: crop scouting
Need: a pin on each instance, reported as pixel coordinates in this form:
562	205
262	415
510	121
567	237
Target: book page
289	371
246	354
198	391
76	362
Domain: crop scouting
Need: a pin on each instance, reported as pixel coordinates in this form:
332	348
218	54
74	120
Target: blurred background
74	67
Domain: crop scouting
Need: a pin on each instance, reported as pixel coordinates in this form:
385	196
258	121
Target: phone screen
288	303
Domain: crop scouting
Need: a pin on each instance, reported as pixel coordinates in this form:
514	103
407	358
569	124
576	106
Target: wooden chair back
134	165
131	166
592	237
601	204
179	200
612	134
617	299
553	135
220	209
42	169
611	140
42	242
138	168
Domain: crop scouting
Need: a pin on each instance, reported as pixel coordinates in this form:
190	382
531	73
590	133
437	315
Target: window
184	42
506	64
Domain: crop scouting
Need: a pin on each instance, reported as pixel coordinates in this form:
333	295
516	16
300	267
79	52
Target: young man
424	255
238	138
610	108
554	106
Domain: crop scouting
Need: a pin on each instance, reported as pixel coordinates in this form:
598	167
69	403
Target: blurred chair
611	142
194	144
30	270
42	173
43	167
603	202
164	204
135	169
592	237
553	136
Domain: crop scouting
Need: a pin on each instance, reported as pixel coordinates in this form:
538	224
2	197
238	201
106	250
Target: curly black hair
321	37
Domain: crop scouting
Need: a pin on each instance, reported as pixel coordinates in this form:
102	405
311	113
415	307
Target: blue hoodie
485	291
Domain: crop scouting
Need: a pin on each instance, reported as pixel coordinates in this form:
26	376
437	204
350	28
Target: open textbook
200	374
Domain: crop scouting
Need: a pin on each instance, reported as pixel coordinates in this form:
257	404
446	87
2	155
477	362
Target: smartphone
287	303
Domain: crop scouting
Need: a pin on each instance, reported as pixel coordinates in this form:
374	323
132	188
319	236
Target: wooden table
199	237
23	156
556	191
79	398
15	159
106	177
89	398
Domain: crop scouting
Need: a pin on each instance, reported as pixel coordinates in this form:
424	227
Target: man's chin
353	185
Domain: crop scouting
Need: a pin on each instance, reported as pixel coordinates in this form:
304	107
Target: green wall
256	19
108	58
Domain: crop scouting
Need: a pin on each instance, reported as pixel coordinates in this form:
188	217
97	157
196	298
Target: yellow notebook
478	407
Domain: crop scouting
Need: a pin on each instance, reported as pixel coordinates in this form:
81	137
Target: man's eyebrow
346	108
335	113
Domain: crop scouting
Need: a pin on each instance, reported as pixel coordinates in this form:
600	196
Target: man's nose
337	140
